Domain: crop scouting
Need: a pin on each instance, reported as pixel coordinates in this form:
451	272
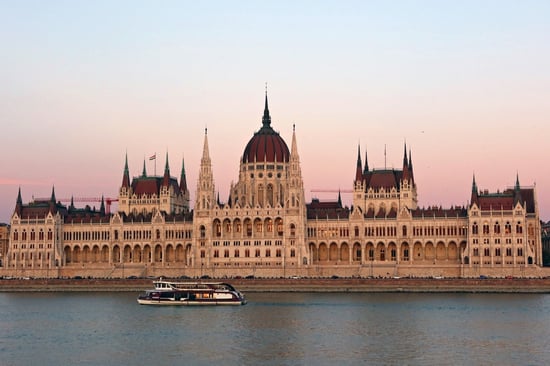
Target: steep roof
331	210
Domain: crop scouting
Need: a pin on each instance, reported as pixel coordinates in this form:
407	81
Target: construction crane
108	201
332	190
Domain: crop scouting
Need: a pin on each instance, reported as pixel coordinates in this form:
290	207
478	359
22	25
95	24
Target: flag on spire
153	157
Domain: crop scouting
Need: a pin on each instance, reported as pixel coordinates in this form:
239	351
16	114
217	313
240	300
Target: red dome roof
266	144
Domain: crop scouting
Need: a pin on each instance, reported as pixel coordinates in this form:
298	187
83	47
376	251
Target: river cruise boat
191	293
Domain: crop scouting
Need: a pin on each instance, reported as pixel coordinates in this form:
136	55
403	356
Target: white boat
191	293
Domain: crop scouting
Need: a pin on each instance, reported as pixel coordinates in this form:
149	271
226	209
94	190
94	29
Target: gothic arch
418	252
380	252
429	251
440	251
169	254
116	253
356	252
344	252
323	252
333	251
452	251
405	252
180	253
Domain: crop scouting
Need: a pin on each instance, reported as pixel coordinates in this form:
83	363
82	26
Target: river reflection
277	329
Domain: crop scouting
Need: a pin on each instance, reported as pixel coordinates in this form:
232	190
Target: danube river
100	328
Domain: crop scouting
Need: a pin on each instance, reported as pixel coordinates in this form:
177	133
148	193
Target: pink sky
466	86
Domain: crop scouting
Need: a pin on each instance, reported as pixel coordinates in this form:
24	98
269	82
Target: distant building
546	244
265	228
4	242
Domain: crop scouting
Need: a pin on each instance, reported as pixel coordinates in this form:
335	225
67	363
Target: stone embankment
489	285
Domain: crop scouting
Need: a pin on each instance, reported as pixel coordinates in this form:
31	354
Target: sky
465	84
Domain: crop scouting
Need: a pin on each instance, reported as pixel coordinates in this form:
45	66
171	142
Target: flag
153	157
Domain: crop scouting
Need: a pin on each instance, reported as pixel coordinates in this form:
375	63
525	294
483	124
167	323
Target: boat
191	293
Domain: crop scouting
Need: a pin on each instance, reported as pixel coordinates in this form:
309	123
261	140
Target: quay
369	285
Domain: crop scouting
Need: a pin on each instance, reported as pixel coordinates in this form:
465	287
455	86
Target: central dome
266	145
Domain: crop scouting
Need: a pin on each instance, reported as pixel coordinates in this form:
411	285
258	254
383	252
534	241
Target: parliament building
267	229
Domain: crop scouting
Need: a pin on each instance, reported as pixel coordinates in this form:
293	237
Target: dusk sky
466	84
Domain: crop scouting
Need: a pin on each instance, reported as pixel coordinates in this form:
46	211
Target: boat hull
185	302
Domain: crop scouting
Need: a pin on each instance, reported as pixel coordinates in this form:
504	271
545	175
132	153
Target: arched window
270	195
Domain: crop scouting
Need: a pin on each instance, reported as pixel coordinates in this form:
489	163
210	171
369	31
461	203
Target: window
520	252
519	228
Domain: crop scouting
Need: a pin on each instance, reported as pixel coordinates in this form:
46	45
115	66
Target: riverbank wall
413	285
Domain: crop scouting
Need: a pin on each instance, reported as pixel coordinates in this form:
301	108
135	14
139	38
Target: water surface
277	329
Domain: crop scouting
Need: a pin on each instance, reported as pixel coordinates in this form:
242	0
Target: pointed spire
166	166
406	172
19	199
166	177
359	167
266	119
411	165
71	207
183	179
19	202
205	152
126	174
52	198
144	172
339	198
52	201
475	194
366	169
102	207
517	191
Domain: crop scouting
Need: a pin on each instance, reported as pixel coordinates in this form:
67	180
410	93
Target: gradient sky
465	83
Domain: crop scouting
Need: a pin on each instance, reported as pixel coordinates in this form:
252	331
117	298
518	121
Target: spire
411	165
266	119
52	201
339	198
183	180
166	177
71	207
474	196
102	207
19	199
406	172
19	203
205	152
517	191
366	170
52	198
144	172
359	168
126	174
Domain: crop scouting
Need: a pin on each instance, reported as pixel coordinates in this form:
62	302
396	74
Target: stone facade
266	229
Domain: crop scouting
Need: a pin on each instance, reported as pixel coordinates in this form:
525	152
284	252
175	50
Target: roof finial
266	119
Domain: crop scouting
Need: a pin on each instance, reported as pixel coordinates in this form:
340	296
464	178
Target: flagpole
155	163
